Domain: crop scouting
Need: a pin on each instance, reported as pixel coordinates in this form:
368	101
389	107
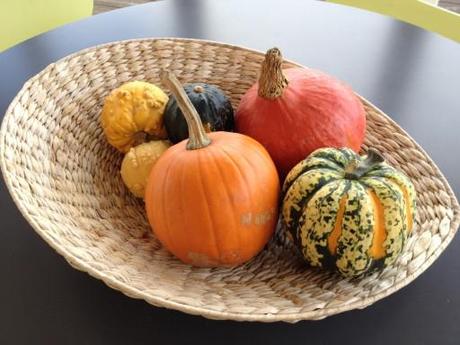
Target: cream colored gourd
138	162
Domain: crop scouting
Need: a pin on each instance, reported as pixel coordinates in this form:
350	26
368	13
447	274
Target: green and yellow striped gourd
347	212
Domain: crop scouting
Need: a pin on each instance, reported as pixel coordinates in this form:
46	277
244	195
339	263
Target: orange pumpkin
212	200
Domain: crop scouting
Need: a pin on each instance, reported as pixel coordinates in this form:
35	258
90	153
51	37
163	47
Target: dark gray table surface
411	74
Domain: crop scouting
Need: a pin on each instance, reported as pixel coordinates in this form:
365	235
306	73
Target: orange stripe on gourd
377	250
335	234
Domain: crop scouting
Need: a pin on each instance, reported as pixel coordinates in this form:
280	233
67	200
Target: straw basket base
65	179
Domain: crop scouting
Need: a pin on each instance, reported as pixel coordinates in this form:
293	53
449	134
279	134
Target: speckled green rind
306	165
312	193
338	156
300	193
357	232
318	221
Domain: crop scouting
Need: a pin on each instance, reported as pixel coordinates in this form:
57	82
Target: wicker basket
65	179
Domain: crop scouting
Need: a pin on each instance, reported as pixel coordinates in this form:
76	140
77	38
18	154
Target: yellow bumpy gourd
138	162
132	113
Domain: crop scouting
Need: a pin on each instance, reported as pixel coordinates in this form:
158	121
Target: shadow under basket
65	180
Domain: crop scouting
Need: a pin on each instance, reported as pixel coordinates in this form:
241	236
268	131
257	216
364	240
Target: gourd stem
272	81
197	137
357	168
198	89
139	138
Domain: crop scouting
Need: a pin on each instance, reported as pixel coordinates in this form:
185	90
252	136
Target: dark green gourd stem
272	81
198	89
357	167
197	135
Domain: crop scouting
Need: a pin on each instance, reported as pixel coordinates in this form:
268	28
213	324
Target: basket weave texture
65	179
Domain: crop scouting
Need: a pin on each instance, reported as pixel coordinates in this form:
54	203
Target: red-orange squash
295	111
212	200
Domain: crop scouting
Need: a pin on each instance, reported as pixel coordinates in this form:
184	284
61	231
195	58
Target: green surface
416	12
23	19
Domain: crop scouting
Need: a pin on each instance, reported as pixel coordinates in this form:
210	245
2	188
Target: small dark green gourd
212	105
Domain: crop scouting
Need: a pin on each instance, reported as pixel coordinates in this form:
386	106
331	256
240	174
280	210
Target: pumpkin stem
272	81
357	167
197	135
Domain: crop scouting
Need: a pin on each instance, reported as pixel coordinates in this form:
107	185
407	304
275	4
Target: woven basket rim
130	291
